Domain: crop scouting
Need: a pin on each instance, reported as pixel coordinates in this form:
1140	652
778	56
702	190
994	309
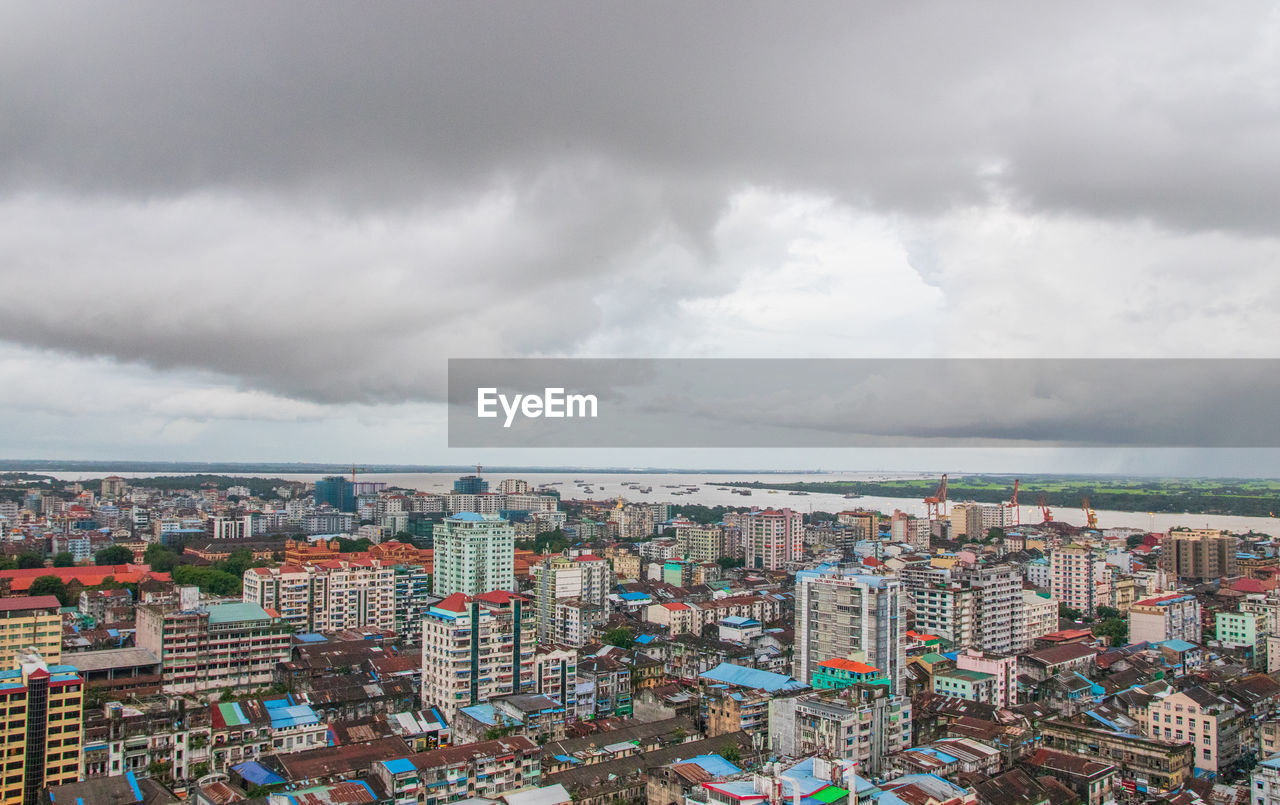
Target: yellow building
31	623
43	703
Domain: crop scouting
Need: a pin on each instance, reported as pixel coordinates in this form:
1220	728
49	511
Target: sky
244	231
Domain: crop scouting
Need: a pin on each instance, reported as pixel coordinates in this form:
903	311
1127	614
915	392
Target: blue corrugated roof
633	596
294	715
754	678
256	773
714	765
311	637
399	765
645	639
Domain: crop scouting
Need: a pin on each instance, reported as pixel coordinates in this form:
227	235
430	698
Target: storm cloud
294	209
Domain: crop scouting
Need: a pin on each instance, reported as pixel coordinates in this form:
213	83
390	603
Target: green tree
727	562
620	637
1134	540
64	559
113	555
1106	613
208	579
51	585
240	560
8	563
28	560
732	754
1116	629
994	534
1069	613
160	558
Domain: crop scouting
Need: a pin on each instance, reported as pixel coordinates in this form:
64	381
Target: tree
1069	613
51	585
620	637
160	558
727	562
732	755
113	555
1106	613
1116	629
208	579
64	559
1134	540
28	560
994	533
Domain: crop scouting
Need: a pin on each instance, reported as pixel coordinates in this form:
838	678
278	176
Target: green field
1230	496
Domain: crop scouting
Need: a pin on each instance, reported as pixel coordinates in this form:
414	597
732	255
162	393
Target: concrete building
1246	631
31	624
857	617
1175	616
1201	554
700	543
211	647
1209	722
1003	668
586	580
773	538
484	770
41	742
1079	578
474	553
476	648
1039	617
328	596
866	724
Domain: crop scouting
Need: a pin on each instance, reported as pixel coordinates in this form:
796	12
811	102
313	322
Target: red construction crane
936	504
1044	510
354	470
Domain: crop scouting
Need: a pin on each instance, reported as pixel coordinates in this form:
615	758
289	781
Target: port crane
1045	511
936	504
1090	516
354	470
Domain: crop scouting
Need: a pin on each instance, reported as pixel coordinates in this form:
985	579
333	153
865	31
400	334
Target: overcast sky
257	231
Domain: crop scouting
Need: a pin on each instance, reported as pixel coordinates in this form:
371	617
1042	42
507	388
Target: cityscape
639	403
347	640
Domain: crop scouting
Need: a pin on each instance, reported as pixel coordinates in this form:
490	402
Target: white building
474	553
327	596
853	616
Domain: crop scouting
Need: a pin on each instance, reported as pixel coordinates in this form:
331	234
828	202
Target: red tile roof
849	665
454	603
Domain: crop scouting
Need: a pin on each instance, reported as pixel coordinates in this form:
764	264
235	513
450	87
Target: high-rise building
700	543
773	537
475	648
1203	553
327	596
1079	578
113	486
587	579
470	485
1039	617
514	486
474	553
31	623
337	492
41	739
857	617
997	621
211	647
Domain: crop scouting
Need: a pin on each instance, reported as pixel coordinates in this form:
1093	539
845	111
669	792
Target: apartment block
1201	554
476	648
208	647
474	554
328	596
849	615
865	724
1175	616
483	770
584	580
41	741
31	624
1079	579
773	538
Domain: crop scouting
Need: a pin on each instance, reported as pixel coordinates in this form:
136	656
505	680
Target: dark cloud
1158	110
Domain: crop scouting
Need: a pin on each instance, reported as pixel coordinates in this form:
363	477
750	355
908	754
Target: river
711	493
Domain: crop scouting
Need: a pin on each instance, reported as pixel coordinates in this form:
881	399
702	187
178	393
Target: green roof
932	657
230	613
966	674
830	794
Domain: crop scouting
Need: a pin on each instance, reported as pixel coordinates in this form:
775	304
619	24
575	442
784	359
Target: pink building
1004	669
773	538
